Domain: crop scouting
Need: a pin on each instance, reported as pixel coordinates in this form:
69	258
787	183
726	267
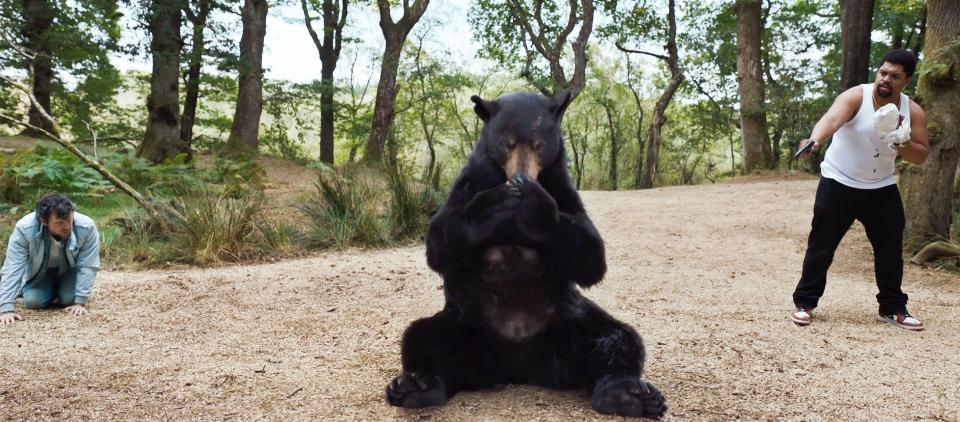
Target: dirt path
704	273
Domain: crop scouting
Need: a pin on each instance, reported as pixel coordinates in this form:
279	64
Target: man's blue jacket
27	253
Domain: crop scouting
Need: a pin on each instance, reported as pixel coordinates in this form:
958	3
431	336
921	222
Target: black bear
512	242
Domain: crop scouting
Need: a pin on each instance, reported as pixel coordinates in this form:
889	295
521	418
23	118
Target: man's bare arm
844	108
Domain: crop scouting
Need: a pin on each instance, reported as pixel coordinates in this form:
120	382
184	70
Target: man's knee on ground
35	299
66	298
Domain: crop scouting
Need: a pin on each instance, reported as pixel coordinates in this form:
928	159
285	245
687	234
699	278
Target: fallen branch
938	249
129	140
295	392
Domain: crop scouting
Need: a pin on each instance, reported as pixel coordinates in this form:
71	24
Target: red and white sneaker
902	320
801	316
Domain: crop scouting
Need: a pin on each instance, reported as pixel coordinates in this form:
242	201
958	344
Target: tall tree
246	118
929	189
39	15
516	32
612	122
198	19
394	33
633	24
162	138
856	24
753	117
334	20
69	44
633	83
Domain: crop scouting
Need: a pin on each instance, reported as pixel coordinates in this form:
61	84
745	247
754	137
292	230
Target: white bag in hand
886	119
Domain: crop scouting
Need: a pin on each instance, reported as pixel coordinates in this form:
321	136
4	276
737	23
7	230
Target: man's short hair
56	203
902	57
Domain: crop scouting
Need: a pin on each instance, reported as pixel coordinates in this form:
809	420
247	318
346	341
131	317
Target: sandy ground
704	273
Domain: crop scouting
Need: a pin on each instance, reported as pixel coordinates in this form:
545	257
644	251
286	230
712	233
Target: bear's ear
485	109
561	100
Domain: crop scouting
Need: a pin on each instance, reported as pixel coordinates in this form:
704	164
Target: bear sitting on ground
512	242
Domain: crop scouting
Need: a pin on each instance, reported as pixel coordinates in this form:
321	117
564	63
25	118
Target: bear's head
521	131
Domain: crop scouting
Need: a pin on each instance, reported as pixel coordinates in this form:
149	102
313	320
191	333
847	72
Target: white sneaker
801	316
902	320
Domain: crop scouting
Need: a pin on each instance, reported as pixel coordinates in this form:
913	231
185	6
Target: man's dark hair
54	202
902	57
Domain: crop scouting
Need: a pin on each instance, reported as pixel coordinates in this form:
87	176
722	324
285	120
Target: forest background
190	117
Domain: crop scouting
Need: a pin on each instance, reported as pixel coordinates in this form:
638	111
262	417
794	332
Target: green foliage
412	206
210	227
158	179
241	176
28	174
221	227
344	212
288	103
347	209
498	28
79	40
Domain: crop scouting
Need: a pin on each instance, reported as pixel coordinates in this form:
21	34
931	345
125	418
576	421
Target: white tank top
856	157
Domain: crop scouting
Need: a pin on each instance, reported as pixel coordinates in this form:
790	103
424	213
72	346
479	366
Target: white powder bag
886	119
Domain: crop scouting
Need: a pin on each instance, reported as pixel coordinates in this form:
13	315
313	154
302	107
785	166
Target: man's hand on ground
10	318
75	310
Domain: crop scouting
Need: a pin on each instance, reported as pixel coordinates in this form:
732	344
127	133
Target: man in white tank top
871	125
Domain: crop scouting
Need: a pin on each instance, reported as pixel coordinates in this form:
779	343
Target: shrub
346	210
343	212
216	227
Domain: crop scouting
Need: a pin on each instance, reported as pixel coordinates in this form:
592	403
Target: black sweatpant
881	213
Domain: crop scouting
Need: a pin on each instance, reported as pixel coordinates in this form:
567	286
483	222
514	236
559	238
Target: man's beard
887	94
57	237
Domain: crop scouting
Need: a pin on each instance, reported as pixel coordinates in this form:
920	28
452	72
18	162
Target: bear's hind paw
415	390
628	396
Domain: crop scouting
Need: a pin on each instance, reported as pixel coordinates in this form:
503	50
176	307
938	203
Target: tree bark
856	23
394	33
614	142
246	118
199	21
39	16
640	150
928	189
334	20
753	117
659	110
162	138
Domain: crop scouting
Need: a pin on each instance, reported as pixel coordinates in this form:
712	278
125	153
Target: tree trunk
334	19
38	16
659	118
577	175
192	96
928	189
246	119
614	144
778	130
856	23
162	138
394	33
753	117
639	136
896	39
917	45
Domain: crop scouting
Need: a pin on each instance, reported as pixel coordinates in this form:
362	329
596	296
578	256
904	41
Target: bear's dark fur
511	243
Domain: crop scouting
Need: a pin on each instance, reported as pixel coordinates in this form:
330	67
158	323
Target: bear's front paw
415	390
628	396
